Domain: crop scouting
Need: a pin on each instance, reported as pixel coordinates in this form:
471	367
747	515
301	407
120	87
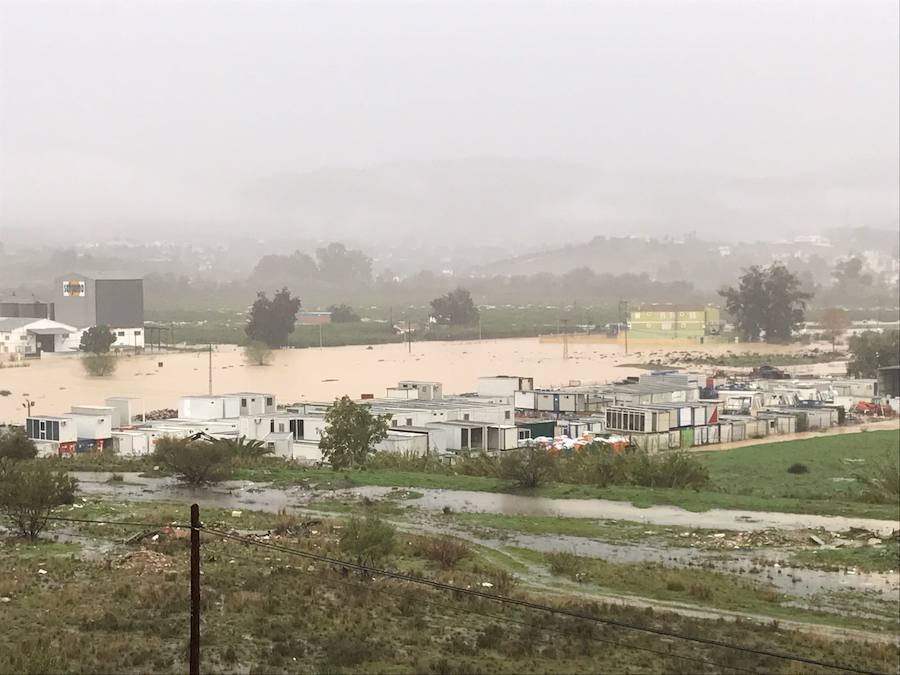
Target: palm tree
244	447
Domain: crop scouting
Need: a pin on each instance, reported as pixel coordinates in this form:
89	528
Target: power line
476	593
538	606
507	619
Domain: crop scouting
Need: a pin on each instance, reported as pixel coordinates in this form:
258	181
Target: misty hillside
707	264
517	203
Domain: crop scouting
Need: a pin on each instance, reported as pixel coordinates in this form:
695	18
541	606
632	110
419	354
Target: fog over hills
467	123
524	202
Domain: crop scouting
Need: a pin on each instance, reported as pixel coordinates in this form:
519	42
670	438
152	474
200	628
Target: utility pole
565	338
210	368
195	591
623	320
27	405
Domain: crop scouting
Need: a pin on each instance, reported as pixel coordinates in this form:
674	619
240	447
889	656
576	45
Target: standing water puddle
795	581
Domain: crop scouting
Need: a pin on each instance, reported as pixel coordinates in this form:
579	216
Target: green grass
751	478
761	470
882	558
132	616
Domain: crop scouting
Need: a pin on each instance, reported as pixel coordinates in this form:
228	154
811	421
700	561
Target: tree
99	365
29	491
343	314
455	308
257	353
272	321
15	445
871	351
343	267
350	432
768	301
194	461
527	467
850	271
835	321
97	340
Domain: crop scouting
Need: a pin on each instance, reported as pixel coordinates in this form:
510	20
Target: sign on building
74	289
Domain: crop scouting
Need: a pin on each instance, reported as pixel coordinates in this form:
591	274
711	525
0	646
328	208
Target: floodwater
56	383
245	494
757	565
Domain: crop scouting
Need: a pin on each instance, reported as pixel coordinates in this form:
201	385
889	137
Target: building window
270	401
466	417
243	403
506	414
272	426
121	333
409	421
137	332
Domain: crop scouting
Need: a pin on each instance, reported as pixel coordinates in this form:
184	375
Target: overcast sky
121	111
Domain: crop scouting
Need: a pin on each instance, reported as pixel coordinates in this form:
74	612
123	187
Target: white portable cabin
504	385
209	407
125	410
93	422
131	442
254	403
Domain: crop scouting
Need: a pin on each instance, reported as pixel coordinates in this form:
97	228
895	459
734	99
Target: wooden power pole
195	591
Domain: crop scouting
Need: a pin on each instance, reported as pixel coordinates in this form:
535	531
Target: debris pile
152	415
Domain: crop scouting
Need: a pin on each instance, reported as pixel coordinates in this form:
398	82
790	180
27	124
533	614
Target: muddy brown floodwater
55	383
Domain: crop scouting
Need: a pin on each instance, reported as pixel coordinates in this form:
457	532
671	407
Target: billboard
74	289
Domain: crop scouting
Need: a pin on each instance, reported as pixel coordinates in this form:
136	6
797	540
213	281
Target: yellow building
674	321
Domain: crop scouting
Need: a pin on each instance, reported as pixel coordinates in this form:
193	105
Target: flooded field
757	564
56	383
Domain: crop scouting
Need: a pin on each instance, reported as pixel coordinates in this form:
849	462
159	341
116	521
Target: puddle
794	581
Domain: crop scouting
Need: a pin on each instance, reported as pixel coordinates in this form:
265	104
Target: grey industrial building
114	300
18	308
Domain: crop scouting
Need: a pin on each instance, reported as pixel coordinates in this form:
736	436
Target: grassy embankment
751	478
269	611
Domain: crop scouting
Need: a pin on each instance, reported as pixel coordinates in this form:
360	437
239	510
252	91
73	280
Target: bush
798	468
29	491
15	445
445	551
194	462
369	539
528	467
99	365
286	523
884	486
564	564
